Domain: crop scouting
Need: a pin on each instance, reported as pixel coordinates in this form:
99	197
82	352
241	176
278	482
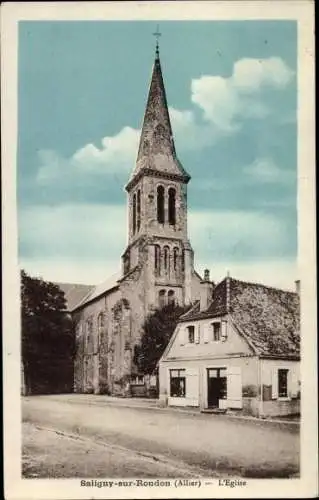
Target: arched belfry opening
160	205
172	206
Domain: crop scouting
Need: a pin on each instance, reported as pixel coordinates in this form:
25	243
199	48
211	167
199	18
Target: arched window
166	258
161	298
89	335
134	213
138	209
172	206
171	297
175	258
160	205
183	261
100	326
157	258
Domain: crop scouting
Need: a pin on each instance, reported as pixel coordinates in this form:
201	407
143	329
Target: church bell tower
157	207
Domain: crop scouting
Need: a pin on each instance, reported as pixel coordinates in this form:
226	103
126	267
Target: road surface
79	436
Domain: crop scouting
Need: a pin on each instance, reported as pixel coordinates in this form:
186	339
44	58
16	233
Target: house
237	348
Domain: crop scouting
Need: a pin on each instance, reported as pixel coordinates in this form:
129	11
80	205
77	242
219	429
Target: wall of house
273	404
196	377
253	374
205	346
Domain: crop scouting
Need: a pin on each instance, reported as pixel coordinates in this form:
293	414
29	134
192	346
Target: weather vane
157	34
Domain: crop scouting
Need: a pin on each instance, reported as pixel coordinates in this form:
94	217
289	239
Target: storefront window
177	384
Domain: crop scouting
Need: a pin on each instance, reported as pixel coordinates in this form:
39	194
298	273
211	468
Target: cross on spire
157	34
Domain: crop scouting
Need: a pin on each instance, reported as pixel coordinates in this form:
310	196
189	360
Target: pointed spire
156	148
156	135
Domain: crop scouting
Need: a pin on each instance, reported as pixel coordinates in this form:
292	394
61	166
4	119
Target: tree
47	337
157	331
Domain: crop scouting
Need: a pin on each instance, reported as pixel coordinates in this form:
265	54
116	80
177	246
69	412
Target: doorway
216	386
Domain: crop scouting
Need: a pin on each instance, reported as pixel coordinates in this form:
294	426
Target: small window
175	258
139	380
127	262
191	334
88	336
177	384
171	297
183	261
166	258
100	321
157	258
216	331
161	298
282	383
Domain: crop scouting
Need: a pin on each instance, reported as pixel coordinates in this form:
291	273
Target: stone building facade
157	264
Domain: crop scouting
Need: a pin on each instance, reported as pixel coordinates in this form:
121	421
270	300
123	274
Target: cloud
222	102
116	155
252	74
225	100
266	171
119	149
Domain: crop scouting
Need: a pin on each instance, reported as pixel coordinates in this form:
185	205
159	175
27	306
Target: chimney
297	285
206	288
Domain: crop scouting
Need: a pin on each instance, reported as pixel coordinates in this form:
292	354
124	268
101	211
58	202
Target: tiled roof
74	293
268	317
97	291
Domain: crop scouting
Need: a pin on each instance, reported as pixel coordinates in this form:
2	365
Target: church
157	264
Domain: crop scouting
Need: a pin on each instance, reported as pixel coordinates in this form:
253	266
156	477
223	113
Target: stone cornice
155	173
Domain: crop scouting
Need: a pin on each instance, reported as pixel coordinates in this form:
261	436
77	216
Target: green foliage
47	337
157	331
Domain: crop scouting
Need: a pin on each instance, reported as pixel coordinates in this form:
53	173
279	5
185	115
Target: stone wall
276	408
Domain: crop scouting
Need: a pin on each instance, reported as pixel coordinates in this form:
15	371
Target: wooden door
216	386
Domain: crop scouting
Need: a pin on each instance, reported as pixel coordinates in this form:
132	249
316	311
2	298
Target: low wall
279	408
273	408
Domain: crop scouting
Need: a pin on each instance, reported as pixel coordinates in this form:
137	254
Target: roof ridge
262	285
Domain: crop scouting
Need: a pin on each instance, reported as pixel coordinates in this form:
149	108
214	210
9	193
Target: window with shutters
216	331
177	384
283	383
191	334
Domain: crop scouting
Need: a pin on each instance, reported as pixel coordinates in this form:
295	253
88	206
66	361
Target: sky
231	90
